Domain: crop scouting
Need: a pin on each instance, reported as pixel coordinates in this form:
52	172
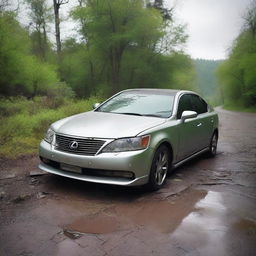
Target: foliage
23	122
40	15
21	73
124	46
237	75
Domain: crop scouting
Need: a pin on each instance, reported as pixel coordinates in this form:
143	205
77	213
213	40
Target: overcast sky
212	25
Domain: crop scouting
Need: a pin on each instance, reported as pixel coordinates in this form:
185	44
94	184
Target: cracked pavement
207	207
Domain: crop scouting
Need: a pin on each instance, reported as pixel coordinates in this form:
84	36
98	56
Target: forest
122	44
118	44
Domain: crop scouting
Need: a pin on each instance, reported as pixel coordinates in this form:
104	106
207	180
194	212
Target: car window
198	104
184	104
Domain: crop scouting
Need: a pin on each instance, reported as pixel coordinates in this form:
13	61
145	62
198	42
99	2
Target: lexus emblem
73	145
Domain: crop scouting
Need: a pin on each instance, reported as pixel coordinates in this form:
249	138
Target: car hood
105	125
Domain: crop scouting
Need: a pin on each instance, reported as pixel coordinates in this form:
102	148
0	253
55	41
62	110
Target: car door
204	119
189	131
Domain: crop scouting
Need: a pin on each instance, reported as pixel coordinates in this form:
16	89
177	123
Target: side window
184	104
198	104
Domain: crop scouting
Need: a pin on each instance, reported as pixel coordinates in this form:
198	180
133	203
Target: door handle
199	124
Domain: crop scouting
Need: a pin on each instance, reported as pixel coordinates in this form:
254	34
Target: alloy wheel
214	144
161	167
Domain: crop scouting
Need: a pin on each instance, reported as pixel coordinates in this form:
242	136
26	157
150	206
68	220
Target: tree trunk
92	80
40	43
56	6
44	40
35	88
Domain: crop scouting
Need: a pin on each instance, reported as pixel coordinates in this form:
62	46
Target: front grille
87	147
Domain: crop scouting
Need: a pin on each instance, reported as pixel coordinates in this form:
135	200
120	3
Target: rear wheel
213	145
159	168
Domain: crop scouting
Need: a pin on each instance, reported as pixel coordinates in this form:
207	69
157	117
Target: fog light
128	175
108	173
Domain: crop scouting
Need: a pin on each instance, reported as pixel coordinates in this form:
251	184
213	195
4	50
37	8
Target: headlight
49	135
127	144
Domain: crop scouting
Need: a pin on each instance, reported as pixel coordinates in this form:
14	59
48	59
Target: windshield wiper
153	115
132	114
137	114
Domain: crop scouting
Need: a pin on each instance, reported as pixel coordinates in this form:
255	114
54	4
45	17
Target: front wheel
159	168
213	145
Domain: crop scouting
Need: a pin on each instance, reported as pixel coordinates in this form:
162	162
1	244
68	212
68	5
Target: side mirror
188	114
95	105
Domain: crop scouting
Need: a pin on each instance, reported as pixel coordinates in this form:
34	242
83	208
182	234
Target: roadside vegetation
240	107
237	75
23	122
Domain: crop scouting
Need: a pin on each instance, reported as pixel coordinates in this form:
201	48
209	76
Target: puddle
196	222
161	215
209	215
96	224
208	222
217	232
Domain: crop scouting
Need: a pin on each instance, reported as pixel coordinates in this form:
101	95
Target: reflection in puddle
160	215
97	224
208	222
209	213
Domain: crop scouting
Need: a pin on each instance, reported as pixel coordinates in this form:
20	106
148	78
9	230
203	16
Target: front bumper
137	162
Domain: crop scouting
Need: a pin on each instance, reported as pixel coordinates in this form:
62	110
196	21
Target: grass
239	108
23	122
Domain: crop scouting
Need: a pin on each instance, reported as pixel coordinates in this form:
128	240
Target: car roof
156	90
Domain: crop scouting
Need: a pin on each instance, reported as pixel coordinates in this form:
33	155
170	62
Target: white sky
212	25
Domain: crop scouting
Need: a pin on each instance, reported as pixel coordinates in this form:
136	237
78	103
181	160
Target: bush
24	122
13	106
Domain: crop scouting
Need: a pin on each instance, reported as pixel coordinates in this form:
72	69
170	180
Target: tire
213	145
161	164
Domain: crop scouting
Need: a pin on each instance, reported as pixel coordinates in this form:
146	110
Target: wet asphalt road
208	207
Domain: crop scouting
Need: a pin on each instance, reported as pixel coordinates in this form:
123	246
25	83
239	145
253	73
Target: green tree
127	45
56	6
75	67
40	15
237	75
21	73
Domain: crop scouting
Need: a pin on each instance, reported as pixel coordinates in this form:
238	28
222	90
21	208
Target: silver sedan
133	138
